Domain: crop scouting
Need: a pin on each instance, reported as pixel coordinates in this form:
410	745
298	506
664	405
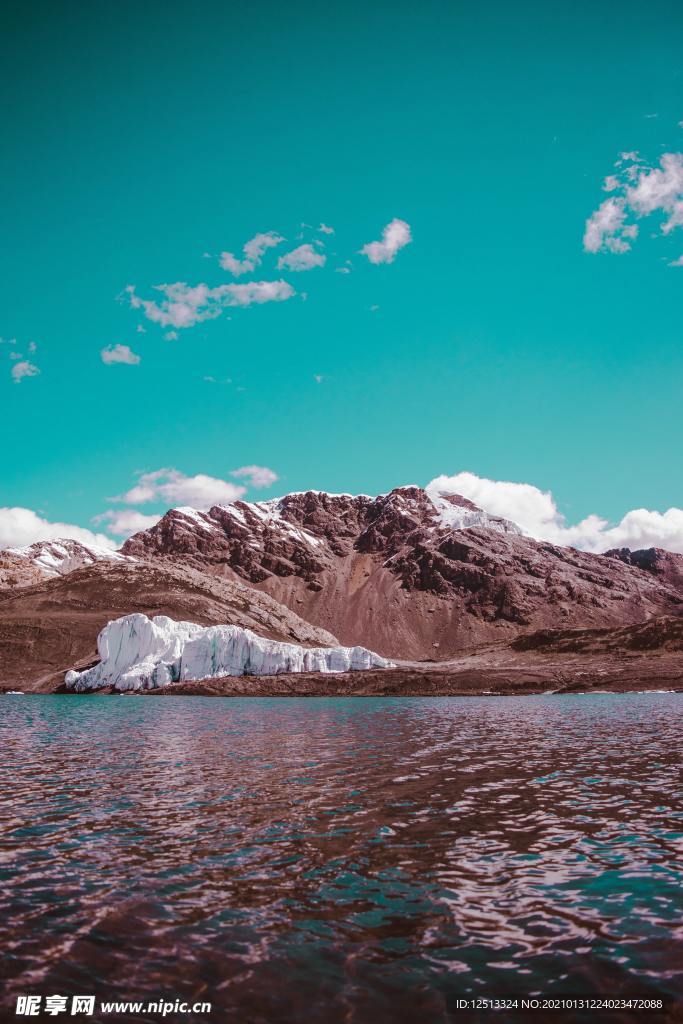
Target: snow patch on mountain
138	653
200	518
456	513
58	557
269	513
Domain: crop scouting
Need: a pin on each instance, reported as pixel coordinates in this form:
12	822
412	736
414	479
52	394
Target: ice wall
138	653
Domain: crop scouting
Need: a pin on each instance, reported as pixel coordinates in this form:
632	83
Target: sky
398	242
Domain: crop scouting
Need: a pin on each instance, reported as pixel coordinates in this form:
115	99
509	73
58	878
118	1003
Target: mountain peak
63	555
409	570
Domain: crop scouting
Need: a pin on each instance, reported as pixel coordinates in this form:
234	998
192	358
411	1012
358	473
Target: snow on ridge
138	653
270	514
458	517
200	518
58	557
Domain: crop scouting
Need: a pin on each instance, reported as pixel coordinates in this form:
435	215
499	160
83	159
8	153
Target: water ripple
318	860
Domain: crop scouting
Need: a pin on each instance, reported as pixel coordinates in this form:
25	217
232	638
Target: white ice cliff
138	653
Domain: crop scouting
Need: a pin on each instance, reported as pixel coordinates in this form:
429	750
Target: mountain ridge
409	576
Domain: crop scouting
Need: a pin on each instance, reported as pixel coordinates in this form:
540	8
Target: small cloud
343	270
126	522
641	191
171	336
605	228
141	330
677	263
374	309
173	487
24	369
256	476
395	236
16	355
253	253
185	305
305	257
255	247
119	354
325	229
32	347
319	378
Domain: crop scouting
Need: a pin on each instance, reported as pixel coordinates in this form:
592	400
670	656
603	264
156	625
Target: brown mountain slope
648	656
16	571
52	626
411	577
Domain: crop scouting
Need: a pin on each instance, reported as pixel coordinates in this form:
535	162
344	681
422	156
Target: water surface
324	860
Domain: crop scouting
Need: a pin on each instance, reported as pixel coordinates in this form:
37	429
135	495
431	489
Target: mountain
16	571
411	575
52	626
56	557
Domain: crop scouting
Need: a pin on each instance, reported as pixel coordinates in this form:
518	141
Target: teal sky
137	137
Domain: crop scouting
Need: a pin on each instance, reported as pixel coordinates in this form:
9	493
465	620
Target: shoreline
400	683
630	659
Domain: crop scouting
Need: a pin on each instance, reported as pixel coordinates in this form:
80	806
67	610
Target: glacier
139	653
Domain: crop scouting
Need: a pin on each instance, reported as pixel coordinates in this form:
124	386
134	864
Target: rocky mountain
665	565
55	558
412	575
16	571
52	626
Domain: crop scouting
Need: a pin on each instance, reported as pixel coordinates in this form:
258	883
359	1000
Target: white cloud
23	369
677	262
642	191
21	526
325	229
175	488
127	521
235	266
395	236
255	248
119	354
305	257
32	347
186	305
171	487
253	252
537	513
604	228
256	476
658	188
171	336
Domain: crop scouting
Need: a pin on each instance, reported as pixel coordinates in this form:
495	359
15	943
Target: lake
324	860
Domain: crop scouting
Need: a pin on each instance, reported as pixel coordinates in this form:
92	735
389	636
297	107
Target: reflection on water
341	860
